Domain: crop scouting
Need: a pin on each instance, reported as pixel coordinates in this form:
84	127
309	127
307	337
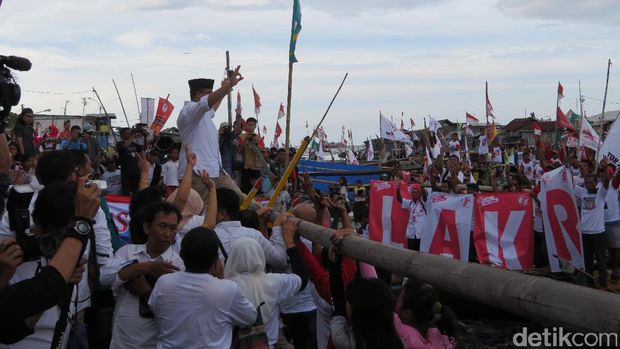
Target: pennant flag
560	92
164	110
370	155
537	129
433	124
295	29
412	123
351	159
470	118
320	156
282	113
391	132
611	146
562	121
408	150
588	137
490	108
257	104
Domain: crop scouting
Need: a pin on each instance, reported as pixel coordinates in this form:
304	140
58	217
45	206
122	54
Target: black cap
197	84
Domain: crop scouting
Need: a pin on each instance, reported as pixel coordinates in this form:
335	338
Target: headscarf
246	267
193	207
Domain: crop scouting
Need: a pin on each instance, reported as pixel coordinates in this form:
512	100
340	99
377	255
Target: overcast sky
419	57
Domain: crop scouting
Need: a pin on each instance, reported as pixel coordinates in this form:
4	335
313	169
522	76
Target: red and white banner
503	234
387	219
119	211
164	110
448	225
561	218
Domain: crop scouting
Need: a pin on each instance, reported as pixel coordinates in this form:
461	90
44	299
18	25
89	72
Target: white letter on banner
386	218
507	241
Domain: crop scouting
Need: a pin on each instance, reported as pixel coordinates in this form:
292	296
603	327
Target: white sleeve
103	239
194	111
108	275
242	312
341	336
601	196
5	230
289	286
275	252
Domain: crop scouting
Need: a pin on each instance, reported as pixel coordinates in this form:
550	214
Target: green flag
295	29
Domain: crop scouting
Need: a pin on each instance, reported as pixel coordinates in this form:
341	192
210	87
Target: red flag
561	121
278	130
536	128
490	108
560	91
257	104
470	118
164	110
281	112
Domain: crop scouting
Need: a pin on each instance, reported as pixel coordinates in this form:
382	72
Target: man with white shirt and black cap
197	129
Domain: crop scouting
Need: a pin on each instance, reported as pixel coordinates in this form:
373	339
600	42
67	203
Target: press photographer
65	227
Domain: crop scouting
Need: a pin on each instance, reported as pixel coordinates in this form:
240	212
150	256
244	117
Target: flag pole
135	93
288	115
603	111
580	123
120	100
229	102
486	108
556	142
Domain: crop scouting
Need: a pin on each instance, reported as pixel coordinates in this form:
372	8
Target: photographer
33	301
127	149
251	164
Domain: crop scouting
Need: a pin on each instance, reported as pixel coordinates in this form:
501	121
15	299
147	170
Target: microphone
15	62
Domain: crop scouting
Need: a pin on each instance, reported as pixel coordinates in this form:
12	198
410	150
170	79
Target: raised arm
215	97
211	213
182	196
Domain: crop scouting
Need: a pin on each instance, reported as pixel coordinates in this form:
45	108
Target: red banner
503	231
164	110
387	219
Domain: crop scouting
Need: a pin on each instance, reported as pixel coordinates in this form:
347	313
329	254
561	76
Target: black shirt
127	159
27	135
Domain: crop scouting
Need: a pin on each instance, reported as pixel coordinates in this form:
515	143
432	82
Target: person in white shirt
612	222
455	146
417	213
112	177
134	271
194	308
246	267
197	129
229	229
593	223
170	172
530	168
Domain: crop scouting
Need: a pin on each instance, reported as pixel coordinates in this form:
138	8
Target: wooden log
547	301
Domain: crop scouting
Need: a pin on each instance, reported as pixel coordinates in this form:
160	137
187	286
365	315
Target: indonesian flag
560	92
282	113
164	110
490	108
257	104
470	118
371	152
562	121
278	129
537	129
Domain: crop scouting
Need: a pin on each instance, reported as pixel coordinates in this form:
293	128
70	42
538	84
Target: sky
417	57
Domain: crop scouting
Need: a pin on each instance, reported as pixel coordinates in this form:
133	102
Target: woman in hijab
246	267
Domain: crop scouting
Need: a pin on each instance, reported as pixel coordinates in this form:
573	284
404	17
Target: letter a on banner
561	218
503	230
448	225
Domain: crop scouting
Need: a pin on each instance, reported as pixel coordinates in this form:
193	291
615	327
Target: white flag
433	124
147	112
587	136
427	160
391	132
611	146
408	150
351	159
320	156
371	152
437	147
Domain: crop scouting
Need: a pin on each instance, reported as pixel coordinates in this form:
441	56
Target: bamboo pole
541	299
228	100
603	111
121	101
288	115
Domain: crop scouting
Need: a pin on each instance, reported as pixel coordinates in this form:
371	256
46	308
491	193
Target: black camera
10	92
34	246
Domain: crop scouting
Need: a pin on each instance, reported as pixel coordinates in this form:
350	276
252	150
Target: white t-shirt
417	217
483	148
446	175
198	311
592	210
169	172
532	170
198	131
130	330
455	148
275	252
497	155
113	181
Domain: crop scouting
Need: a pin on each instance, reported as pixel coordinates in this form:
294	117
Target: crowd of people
199	272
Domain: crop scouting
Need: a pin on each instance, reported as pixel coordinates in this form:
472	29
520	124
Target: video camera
10	92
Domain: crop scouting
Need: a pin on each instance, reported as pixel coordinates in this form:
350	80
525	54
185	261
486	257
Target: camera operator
127	149
33	301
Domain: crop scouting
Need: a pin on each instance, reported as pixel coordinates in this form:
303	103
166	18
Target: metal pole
136	94
603	111
228	96
121	100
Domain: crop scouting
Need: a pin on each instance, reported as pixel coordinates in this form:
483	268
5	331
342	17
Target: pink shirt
412	339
